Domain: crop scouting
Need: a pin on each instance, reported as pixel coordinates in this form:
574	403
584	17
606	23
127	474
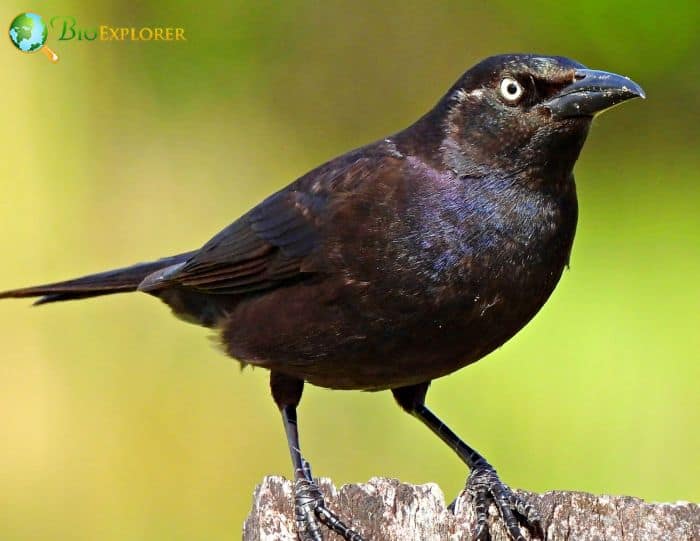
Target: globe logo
28	33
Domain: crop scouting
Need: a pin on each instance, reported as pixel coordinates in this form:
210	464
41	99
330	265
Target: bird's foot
484	488
311	511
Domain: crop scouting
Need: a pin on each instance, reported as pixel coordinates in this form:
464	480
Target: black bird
399	262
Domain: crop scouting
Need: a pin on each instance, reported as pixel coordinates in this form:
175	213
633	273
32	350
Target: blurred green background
120	422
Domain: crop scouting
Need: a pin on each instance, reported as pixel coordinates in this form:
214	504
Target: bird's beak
593	92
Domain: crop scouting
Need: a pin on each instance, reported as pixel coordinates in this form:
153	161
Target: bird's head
516	113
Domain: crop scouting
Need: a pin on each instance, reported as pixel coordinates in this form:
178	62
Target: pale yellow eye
510	89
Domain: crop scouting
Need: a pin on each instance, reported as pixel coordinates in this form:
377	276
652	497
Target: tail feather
104	283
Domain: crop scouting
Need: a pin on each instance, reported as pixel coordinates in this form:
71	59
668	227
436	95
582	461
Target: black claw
335	524
481	500
484	488
531	517
311	512
481	533
306	498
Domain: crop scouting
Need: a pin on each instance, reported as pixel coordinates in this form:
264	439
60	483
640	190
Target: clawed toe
484	488
307	497
311	511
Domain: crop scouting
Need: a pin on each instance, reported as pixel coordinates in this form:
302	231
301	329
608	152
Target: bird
399	262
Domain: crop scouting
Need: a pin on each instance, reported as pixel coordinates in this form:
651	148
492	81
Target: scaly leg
309	507
483	484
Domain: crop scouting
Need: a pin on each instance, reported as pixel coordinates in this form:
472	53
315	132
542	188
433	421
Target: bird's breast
493	235
468	278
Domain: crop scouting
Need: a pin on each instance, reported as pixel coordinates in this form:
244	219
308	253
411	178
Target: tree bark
388	510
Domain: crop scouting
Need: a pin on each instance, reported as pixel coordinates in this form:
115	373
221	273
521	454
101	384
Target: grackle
399	262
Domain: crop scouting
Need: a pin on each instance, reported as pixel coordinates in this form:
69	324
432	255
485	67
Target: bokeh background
119	422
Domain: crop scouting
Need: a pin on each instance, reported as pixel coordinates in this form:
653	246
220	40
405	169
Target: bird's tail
104	283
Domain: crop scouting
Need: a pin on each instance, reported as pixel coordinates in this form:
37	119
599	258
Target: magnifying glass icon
28	33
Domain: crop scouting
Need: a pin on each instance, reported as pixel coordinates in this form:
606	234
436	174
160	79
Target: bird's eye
511	90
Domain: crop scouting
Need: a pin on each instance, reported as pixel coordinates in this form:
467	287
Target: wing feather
271	244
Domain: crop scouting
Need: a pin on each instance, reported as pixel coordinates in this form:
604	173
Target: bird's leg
483	484
309	507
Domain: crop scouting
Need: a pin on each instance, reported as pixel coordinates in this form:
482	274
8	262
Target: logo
67	28
28	33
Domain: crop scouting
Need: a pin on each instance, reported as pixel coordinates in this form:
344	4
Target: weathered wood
388	510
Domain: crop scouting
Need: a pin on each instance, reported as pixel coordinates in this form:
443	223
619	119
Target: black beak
593	92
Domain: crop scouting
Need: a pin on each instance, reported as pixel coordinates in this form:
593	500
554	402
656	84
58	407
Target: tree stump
388	510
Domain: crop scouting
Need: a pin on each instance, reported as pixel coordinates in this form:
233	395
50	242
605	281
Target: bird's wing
259	250
271	244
